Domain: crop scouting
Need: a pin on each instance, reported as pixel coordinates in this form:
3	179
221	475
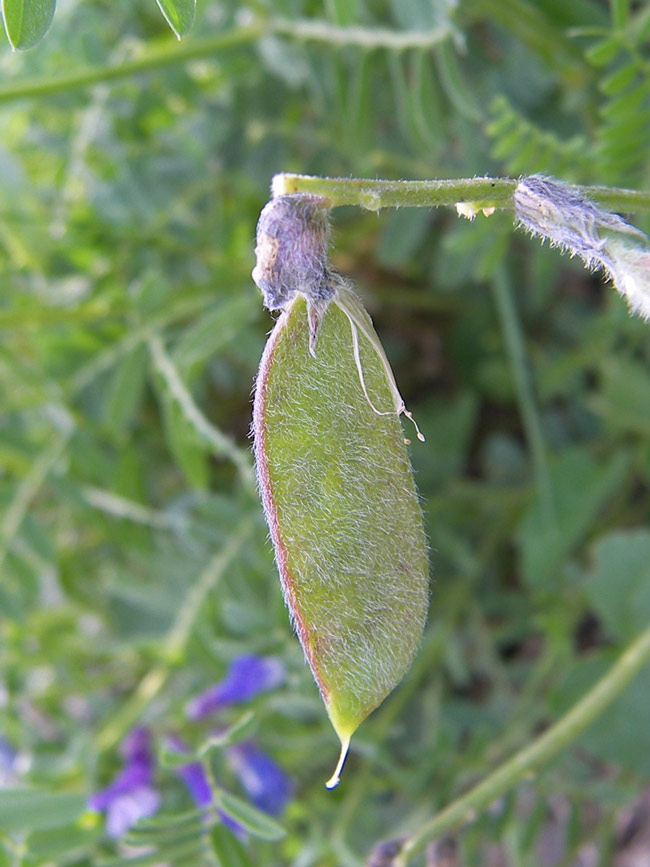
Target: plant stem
29	487
222	445
536	755
171	53
480	192
164	55
376	194
362	37
525	388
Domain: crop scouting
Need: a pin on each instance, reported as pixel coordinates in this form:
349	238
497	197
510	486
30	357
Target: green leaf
405	230
227	848
604	51
341	504
125	390
619	585
179	14
37	810
253	820
622	399
58	842
214	330
189	451
170	841
158	825
27	21
581	488
454	84
184	855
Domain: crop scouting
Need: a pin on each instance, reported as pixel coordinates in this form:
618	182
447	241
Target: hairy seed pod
341	504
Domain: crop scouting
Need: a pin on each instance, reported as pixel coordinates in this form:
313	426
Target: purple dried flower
292	239
131	795
266	784
385	853
247	676
562	214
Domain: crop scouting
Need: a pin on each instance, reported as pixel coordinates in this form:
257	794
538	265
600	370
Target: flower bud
561	213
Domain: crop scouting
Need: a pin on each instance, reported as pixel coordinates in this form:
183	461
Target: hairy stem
532	758
362	37
480	192
377	194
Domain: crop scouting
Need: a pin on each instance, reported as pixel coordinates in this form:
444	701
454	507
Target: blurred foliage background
134	557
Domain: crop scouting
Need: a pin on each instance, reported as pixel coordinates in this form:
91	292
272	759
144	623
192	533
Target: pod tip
335	779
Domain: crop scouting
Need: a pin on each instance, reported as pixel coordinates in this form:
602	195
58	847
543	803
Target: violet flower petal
131	794
235	827
8	758
246	677
198	785
192	774
264	781
125	810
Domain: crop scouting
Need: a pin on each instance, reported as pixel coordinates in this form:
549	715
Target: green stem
376	194
171	53
525	388
480	192
222	445
536	755
165	55
30	486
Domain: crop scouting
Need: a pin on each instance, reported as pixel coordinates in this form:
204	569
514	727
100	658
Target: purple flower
198	785
7	763
193	775
247	676
131	795
266	784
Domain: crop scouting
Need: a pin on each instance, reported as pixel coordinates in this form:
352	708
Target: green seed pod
341	504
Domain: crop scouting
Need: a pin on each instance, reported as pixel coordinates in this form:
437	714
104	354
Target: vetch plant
131	552
133	794
334	475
